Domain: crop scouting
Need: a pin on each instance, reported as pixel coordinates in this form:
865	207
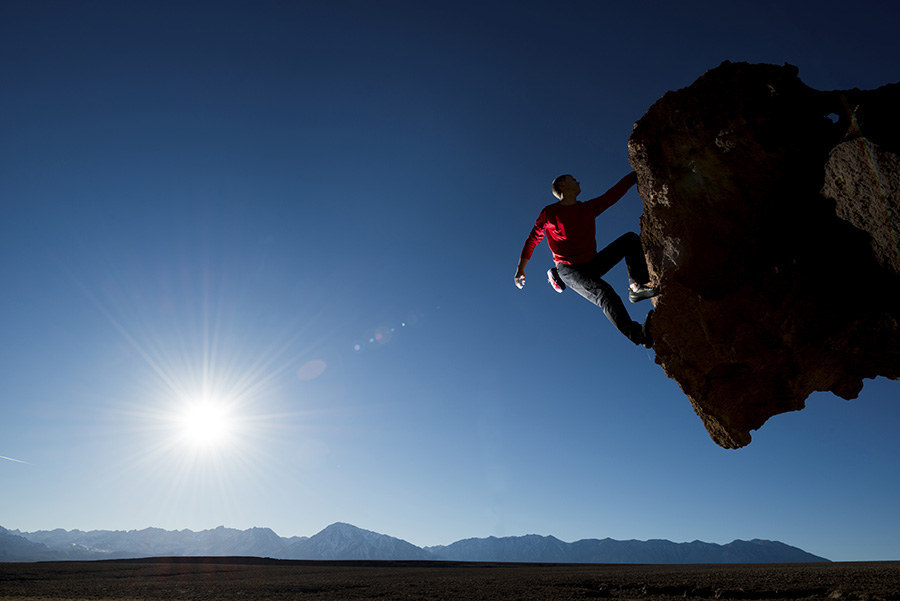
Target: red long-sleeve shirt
570	229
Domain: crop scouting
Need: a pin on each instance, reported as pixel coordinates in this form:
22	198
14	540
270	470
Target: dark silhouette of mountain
529	548
534	548
342	541
18	548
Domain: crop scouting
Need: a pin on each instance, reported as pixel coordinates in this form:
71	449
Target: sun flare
206	424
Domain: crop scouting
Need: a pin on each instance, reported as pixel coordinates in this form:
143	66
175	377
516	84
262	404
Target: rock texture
771	221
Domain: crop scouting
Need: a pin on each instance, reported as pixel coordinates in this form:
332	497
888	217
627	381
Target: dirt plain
245	579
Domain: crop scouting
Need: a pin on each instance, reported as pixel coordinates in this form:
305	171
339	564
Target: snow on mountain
347	542
156	542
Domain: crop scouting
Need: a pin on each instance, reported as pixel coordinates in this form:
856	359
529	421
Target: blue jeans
587	280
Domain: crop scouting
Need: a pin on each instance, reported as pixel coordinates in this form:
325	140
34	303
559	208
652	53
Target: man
571	233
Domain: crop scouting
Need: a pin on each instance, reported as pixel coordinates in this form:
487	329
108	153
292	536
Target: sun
207	423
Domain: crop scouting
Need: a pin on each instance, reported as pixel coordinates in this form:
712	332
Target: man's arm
520	273
534	238
611	196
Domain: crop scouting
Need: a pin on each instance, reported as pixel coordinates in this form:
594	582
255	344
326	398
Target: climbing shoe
642	293
555	280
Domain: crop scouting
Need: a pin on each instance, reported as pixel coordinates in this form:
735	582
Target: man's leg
584	280
627	246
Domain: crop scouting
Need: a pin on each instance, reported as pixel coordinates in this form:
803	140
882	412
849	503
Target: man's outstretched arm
611	196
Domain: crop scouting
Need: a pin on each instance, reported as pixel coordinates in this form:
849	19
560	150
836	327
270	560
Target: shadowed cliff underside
770	221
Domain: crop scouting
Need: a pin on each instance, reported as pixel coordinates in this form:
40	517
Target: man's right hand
520	279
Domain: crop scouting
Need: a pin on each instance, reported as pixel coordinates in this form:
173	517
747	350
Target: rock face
772	224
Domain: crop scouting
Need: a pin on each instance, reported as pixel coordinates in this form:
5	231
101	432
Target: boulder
771	222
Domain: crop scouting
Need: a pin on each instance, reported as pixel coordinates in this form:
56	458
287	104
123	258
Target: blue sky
310	214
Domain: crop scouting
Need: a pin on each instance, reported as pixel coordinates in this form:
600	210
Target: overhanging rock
771	222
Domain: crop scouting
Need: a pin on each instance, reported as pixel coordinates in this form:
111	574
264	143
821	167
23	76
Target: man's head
565	184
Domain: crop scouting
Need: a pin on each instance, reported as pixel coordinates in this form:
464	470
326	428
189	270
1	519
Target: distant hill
346	542
533	548
156	542
18	548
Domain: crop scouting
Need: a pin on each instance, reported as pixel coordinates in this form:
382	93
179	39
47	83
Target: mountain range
346	542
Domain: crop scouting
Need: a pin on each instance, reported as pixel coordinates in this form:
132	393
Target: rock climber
571	233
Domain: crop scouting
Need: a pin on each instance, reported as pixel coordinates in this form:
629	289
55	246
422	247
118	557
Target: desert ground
250	578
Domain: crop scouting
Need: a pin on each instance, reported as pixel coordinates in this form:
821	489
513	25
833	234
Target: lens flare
311	370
